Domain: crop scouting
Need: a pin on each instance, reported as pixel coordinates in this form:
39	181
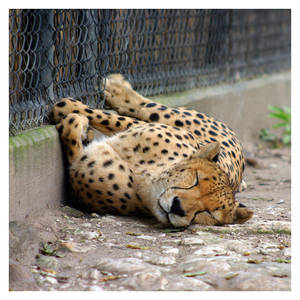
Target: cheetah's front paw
119	94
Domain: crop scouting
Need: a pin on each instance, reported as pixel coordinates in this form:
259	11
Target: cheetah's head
197	191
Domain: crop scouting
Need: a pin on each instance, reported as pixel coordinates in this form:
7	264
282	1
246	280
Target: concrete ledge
36	168
36	175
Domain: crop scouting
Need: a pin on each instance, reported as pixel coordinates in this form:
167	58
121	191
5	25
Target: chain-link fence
57	53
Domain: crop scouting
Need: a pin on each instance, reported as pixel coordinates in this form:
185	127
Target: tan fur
178	165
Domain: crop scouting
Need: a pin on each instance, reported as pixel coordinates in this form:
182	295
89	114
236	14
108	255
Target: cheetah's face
198	192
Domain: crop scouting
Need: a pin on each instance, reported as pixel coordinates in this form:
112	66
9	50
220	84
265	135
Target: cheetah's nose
176	208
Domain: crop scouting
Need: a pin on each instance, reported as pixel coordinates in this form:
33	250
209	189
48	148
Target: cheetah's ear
210	151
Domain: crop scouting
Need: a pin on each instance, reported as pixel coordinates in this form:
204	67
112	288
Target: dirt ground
65	249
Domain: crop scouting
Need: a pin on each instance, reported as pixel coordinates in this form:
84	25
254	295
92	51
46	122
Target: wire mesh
58	53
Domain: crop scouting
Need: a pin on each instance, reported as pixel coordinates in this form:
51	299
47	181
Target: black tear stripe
188	188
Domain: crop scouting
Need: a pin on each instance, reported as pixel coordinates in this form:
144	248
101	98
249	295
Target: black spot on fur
152	104
146	149
136	148
91	164
212	133
187	113
84	157
178	123
107	163
154	117
71	120
105	122
89	111
111	176
162	108
61	104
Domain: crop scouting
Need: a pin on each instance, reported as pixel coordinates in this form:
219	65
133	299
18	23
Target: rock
146	237
287	252
253	281
170	250
94	274
95	288
20	279
200	264
181	283
211	250
77	247
192	241
162	260
70	211
86	225
123	265
50	279
145	281
90	235
240	247
23	242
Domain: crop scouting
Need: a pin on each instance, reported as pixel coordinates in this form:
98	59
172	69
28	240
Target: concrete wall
36	170
36	173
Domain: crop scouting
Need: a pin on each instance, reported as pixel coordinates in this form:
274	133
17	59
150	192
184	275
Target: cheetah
180	166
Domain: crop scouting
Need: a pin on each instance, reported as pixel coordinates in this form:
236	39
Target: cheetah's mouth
164	212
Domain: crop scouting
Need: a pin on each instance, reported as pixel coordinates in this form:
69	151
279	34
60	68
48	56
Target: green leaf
279	125
266	135
275	108
280	116
286	139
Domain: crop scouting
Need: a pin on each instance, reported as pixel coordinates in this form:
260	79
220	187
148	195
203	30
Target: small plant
284	116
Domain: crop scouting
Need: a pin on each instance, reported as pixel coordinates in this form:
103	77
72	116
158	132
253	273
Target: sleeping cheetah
180	166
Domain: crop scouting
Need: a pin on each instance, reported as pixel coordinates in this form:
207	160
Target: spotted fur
178	165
